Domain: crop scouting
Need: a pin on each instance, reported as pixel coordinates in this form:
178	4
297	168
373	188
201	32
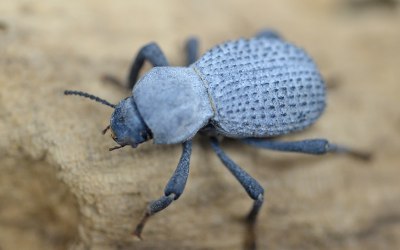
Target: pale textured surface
311	202
262	87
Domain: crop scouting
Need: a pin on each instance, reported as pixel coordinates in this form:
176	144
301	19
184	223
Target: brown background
60	187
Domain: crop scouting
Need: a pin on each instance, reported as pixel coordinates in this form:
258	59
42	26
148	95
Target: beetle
248	89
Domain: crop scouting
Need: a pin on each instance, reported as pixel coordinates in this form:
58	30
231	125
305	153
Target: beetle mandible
248	89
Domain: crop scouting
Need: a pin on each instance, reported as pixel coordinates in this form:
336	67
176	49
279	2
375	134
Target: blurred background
60	188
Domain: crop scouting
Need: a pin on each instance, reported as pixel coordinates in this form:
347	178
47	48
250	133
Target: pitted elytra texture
262	87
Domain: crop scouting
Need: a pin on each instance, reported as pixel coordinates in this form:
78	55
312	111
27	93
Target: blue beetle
248	89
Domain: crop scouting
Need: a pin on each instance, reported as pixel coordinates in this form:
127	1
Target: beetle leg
173	189
150	52
269	34
192	50
252	187
311	146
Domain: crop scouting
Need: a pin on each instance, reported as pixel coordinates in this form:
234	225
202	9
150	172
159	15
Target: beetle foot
251	221
358	154
250	237
140	226
361	155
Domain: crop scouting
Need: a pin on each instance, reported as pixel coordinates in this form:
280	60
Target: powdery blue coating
261	87
173	103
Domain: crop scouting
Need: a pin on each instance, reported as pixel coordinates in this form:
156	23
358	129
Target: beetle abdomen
261	87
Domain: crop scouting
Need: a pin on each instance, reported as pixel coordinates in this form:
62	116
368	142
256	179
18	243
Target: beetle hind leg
192	50
252	187
310	146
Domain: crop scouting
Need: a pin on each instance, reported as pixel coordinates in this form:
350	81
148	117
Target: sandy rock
61	188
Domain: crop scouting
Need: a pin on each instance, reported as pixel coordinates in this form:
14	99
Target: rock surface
61	188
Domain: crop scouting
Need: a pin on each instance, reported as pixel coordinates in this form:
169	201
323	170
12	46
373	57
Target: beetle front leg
312	146
192	50
150	52
173	189
252	187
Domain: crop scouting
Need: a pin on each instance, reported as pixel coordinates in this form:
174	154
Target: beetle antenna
87	95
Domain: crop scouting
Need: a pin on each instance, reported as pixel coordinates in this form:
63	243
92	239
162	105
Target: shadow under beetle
248	89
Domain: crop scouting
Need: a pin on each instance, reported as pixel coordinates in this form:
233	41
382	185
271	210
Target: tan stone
61	188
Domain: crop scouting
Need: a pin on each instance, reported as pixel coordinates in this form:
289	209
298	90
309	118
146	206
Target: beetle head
127	126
